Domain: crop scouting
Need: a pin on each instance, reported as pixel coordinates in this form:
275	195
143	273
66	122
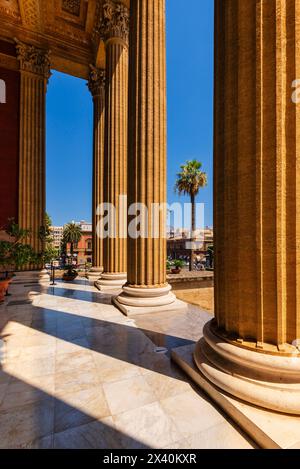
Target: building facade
179	243
57	235
83	250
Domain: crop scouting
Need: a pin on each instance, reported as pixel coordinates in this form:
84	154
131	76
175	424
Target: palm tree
72	234
189	182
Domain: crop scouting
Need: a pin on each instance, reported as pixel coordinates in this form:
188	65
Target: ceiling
66	27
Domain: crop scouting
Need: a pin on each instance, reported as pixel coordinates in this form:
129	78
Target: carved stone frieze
72	6
10	8
30	12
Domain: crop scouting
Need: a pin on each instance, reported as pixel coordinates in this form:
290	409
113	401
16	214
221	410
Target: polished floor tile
76	373
80	407
99	434
21	425
147	427
191	412
128	394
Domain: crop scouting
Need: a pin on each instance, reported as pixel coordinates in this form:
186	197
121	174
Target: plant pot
69	277
3	288
176	271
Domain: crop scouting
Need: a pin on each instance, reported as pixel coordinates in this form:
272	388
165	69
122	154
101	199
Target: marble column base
94	274
32	276
111	282
269	429
133	300
265	380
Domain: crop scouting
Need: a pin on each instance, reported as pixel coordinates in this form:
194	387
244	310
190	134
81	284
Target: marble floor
76	373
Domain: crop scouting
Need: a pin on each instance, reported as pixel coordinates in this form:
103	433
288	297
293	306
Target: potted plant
169	266
177	266
5	278
70	273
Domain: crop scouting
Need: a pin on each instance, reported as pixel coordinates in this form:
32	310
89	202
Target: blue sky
190	117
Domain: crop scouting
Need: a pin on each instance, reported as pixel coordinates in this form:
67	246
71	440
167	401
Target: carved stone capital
96	81
33	60
71	6
114	22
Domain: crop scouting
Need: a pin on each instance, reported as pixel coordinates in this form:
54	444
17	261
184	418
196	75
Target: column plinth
97	88
147	290
35	72
114	30
251	349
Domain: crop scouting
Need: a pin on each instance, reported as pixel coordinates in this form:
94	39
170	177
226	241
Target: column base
265	380
111	282
134	301
268	429
94	274
32	276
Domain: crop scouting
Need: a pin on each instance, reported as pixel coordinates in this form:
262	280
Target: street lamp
53	273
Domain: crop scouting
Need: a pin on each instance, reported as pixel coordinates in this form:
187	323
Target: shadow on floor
40	420
119	341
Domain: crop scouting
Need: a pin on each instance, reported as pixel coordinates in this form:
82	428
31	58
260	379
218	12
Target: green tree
45	231
16	252
72	234
49	252
189	182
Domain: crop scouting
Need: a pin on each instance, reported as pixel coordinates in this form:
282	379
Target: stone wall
9	138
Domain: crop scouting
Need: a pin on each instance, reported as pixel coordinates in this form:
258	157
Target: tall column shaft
148	140
35	71
147	287
257	196
115	179
257	199
115	30
97	88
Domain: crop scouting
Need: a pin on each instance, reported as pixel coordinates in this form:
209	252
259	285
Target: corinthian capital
96	82
115	21
34	60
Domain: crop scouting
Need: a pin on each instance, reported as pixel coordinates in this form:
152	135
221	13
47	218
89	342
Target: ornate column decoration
35	73
96	86
147	289
114	30
251	348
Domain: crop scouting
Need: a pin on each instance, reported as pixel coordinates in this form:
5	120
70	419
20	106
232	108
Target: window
2	92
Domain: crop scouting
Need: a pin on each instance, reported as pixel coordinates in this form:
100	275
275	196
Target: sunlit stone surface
79	374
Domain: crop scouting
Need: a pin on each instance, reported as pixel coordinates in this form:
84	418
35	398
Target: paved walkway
78	374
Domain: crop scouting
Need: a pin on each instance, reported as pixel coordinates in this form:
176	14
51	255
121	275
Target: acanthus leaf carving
114	22
33	59
96	81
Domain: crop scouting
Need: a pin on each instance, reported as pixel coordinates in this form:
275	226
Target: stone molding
6	61
31	13
33	59
72	6
96	82
114	22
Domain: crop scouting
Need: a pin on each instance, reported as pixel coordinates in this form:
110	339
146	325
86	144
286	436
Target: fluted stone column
35	72
97	88
251	348
114	30
147	289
